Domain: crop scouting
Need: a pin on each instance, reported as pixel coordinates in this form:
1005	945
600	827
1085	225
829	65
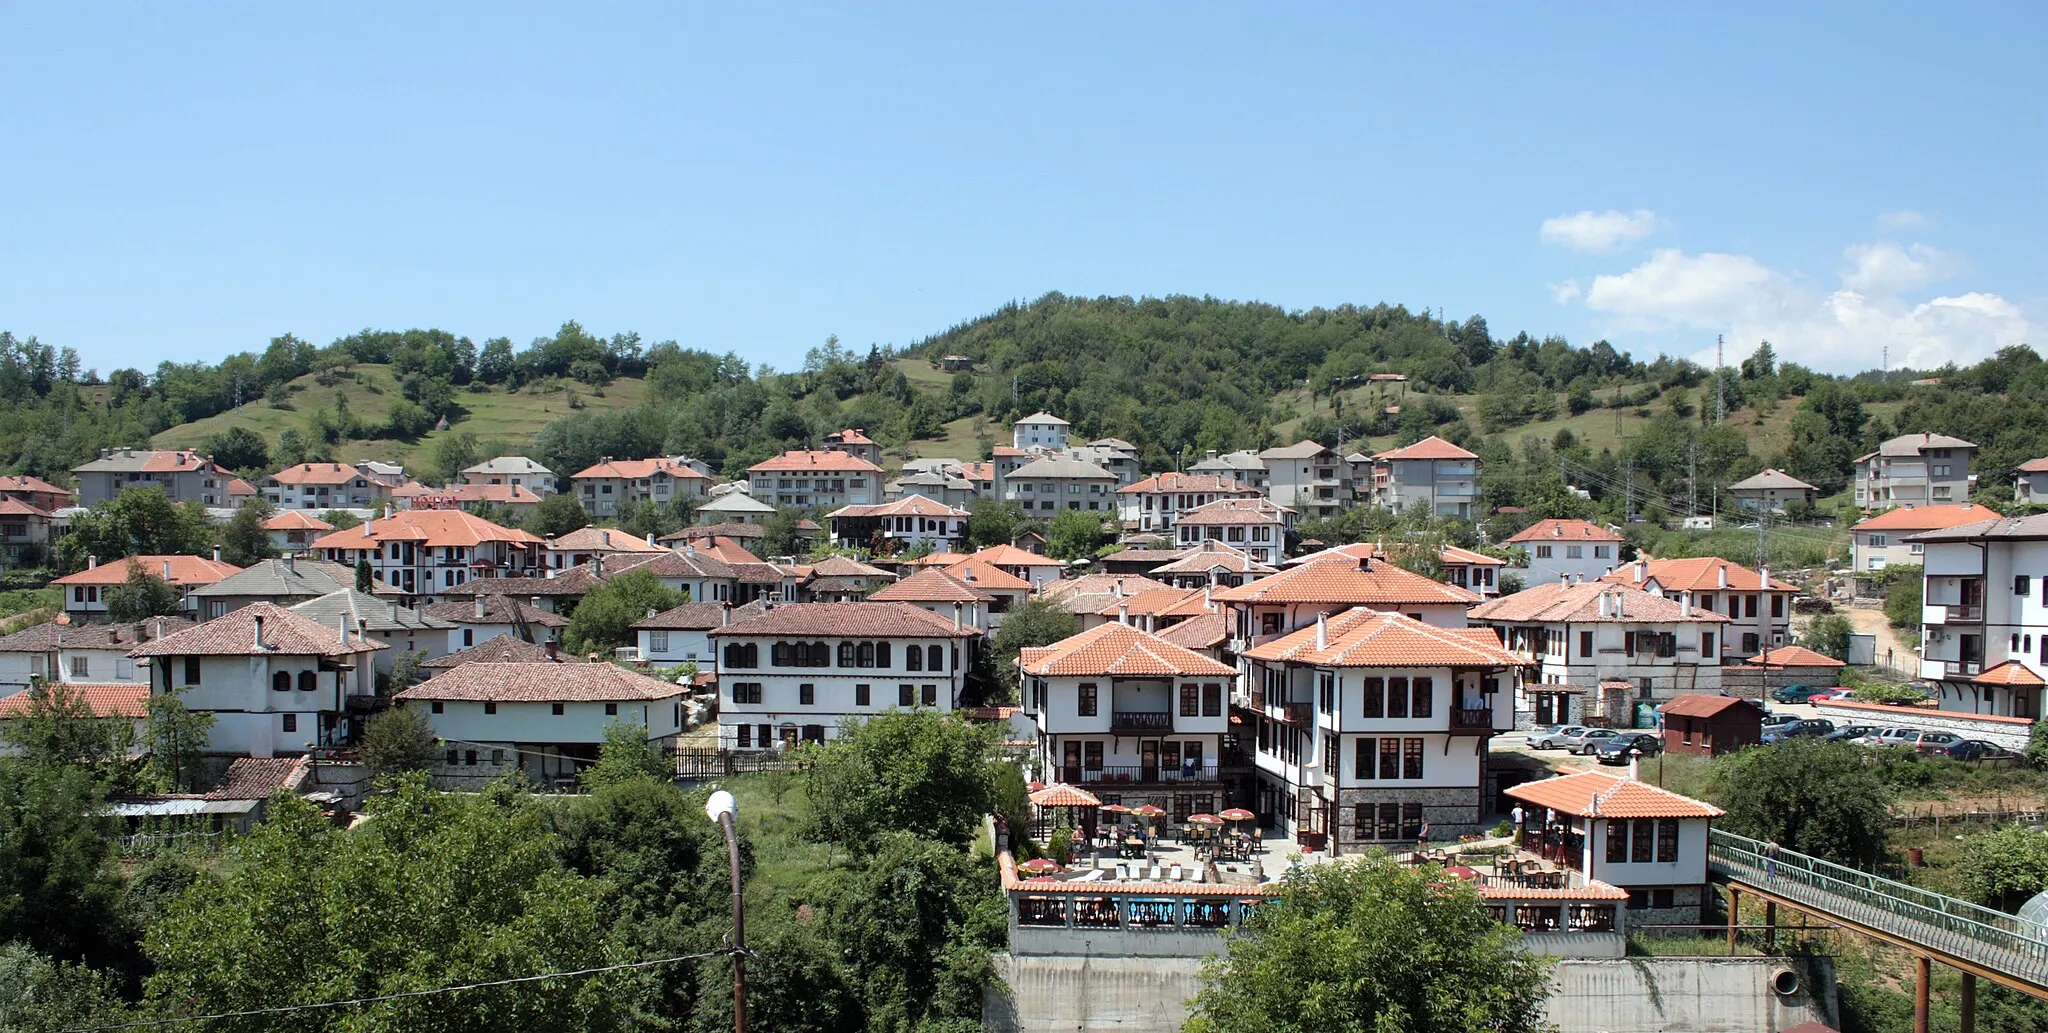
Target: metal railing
1136	773
1128	722
1930	920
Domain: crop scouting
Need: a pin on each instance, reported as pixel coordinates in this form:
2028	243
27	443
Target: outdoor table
1132	848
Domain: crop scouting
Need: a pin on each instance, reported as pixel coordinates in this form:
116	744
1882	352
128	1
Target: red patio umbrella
1116	808
1237	814
1204	819
1040	866
1461	872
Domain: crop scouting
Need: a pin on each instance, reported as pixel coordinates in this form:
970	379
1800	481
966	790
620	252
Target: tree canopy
1818	798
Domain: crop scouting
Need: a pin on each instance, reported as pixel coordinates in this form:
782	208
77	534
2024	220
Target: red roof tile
500	648
296	520
1926	518
1204	632
981	575
929	586
1118	651
806	461
1431	447
315	473
1694	575
34	485
908	505
2011	672
16	507
1583	602
103	699
1171	482
1596	794
602	539
638	469
1793	656
1564	530
541	683
1369	583
1235	512
182	570
257	778
849	620
1705	705
285	633
1011	556
432	527
1371	638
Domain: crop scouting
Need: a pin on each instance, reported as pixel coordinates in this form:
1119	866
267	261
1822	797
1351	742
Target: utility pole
1692	477
1628	488
1720	383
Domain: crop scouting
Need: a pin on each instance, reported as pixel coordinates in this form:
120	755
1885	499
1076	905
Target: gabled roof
1793	656
102	699
1303	449
1596	794
1451	555
735	502
1555	530
1771	480
575	581
693	560
908	505
850	436
1431	447
1118	651
1237	511
430	527
292	578
1212	555
1706	705
257	778
1060	467
1927	518
365	611
284	634
979	574
845	566
507	465
1044	417
64	633
1694	575
1554	602
1243	459
296	520
177	570
498	609
135	460
1914	444
808	461
2030	466
1152	601
1364	637
500	648
1011	556
700	616
929	586
2026	528
238	486
1366	583
638	469
1171	482
1206	631
496	682
314	473
2013	673
16	507
602	539
35	485
1118	444
849	620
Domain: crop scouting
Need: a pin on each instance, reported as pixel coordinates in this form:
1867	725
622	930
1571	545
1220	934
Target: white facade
1985	604
1307	478
1567	560
1131	733
1040	432
512	470
1915	470
765	691
252	715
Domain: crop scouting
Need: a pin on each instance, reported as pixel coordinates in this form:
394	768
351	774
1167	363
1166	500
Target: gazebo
1061	796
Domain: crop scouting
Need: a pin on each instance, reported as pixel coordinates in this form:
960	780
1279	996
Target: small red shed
1709	726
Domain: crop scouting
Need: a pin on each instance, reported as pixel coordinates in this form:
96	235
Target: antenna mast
1720	383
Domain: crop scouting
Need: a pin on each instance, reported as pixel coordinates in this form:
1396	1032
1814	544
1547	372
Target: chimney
650	613
590	658
479	606
533	601
1620	604
159	627
256	641
690	549
1721	576
167	570
650	537
1577	577
113	636
605	537
1604	605
1123	613
553	650
394	611
366	528
291	563
216	554
956	616
91	562
1322	631
725	615
1634	762
1685	604
1642	571
1207	604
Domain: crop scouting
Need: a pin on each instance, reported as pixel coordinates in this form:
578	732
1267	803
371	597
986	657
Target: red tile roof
1011	556
1554	602
1213	555
700	616
908	505
1118	651
1371	638
1793	656
1369	583
258	778
1203	632
849	620
1705	705
638	469
183	570
603	539
431	527
982	575
807	461
850	436
2030	466
498	609
1564	530
285	633
1926	518
1237	511
103	699
929	586
2011	672
1596	794
494	682
1695	575
315	473
500	648
1171	482
1431	447
1150	601
16	507
36	485
1060	794
296	520
238	486
845	566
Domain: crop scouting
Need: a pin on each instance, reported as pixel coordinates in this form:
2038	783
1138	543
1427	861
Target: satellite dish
2035	914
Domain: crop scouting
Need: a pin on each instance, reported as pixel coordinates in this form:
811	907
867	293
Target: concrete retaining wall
2004	731
1627	995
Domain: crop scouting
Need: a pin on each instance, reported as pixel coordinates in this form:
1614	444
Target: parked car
1618	749
1585	741
1978	749
1779	719
1831	694
1893	736
1850	733
1550	737
1798	693
1934	743
1808	727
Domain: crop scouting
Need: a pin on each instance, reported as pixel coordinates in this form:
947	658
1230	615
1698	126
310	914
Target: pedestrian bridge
1977	941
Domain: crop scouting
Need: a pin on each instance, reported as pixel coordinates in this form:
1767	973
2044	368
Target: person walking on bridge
1770	859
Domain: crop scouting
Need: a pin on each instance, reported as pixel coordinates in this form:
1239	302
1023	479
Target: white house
426	552
276	682
682	635
1307	478
1574	550
1040	432
1984	619
512	470
1130	715
1885	540
1254	526
1295	597
82	654
85	592
803	479
1632	835
1915	469
1154	503
910	522
941	594
1370	725
1764	603
1431	476
1771	491
545	719
794	673
294	530
1579	637
486	616
704	577
399	629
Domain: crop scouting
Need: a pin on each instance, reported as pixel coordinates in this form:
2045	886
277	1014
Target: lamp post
722	809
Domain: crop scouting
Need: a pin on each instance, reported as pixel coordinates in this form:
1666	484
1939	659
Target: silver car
1550	737
1575	739
1894	736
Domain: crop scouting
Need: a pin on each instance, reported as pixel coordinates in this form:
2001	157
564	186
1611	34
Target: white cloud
1566	292
1891	269
1837	330
1904	219
1598	231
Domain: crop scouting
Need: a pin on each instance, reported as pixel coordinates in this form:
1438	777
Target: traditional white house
700	574
275	681
1130	715
484	616
1040	432
941	594
803	479
682	635
1295	597
1431	476
1580	637
426	552
1765	604
1771	491
399	629
1306	478
1254	526
1885	540
545	719
795	672
82	654
85	592
910	522
1371	725
1915	470
1572	550
516	471
585	544
1211	563
1154	503
1632	835
1984	619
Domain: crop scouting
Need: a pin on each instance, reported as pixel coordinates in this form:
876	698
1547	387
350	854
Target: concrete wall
2004	731
1627	995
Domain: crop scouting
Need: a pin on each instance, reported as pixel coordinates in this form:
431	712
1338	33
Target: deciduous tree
1818	798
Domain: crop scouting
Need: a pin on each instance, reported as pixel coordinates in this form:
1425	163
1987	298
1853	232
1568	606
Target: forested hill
1176	375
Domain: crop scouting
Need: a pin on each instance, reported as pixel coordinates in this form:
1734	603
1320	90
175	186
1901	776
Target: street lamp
721	808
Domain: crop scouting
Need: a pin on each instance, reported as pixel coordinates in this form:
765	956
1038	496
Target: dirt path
1871	621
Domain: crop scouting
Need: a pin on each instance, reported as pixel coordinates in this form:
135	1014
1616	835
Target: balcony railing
1298	715
1134	774
1961	667
1964	614
1477	719
1139	722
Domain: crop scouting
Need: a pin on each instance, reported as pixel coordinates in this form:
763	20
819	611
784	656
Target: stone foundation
1449	812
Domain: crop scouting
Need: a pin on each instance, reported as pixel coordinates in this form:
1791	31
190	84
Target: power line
284	1009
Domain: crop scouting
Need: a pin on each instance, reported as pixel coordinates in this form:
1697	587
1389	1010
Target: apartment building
825	479
516	471
1130	715
794	673
25	533
324	486
614	486
1915	470
1370	725
1307	478
183	475
854	441
1770	491
1568	550
1984	615
1885	539
910	522
1254	525
1153	504
426	552
1431	476
1758	607
1050	483
1040	432
1583	637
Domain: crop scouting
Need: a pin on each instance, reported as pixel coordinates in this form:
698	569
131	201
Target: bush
1894	695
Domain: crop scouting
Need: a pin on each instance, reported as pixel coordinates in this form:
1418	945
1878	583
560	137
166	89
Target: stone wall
2011	733
1450	811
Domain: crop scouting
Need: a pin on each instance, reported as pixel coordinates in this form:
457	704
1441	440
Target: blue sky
182	181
